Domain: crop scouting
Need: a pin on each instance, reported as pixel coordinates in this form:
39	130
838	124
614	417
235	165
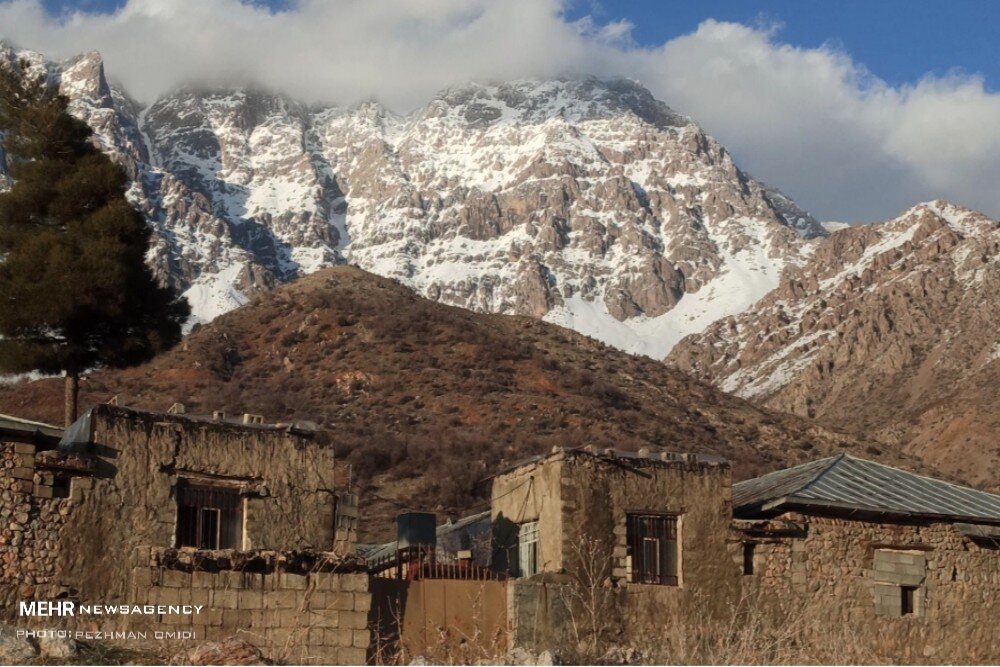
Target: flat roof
643	457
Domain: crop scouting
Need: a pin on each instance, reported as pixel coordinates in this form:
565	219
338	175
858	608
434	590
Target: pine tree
75	290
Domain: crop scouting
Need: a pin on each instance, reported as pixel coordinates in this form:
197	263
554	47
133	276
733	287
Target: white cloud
809	121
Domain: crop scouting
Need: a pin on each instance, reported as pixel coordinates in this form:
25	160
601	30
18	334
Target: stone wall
287	482
790	589
581	503
35	507
828	575
530	493
297	610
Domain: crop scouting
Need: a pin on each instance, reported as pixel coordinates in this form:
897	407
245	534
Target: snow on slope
862	289
747	277
586	202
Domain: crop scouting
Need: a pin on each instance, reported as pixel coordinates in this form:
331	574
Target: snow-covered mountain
587	203
889	331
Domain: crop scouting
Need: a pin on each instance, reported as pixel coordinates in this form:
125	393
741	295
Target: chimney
252	419
644	452
219	415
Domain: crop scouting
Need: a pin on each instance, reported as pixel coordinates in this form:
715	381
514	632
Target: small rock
58	647
14	650
229	651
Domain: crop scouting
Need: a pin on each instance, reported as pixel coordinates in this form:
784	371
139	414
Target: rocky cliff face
587	203
889	330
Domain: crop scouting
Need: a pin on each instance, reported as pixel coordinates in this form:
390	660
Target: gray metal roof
846	483
376	551
24	430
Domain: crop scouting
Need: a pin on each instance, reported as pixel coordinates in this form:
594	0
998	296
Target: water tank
416	528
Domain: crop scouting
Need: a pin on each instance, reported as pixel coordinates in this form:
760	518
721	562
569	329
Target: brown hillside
425	399
889	330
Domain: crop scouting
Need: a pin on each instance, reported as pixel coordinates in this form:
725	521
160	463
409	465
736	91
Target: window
652	544
209	517
748	553
908	595
527	549
60	487
899	576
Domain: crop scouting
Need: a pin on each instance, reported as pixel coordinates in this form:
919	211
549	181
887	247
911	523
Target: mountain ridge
888	331
583	201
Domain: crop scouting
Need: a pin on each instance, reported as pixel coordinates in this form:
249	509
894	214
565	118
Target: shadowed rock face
889	331
530	197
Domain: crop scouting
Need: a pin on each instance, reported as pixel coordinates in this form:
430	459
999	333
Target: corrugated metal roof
845	482
377	551
25	430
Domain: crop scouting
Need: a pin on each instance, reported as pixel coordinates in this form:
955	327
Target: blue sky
857	109
900	41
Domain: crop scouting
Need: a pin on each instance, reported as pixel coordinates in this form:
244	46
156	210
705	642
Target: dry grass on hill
424	399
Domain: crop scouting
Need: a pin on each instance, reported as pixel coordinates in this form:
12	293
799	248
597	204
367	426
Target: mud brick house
580	548
910	564
613	543
237	515
660	550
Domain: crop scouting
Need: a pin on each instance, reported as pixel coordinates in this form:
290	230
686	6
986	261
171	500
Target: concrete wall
840	575
311	617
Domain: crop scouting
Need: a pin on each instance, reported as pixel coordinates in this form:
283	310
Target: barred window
652	545
209	517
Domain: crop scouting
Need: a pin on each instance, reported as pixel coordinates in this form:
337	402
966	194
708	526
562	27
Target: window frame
664	530
526	548
196	501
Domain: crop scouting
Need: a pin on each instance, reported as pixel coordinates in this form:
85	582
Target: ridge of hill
423	400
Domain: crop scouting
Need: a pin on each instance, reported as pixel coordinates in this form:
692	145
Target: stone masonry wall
845	576
597	497
34	511
312	617
530	493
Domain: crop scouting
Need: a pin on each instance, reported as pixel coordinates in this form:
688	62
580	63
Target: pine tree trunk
72	395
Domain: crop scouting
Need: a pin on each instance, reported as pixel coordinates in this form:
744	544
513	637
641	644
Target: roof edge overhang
851	511
40	435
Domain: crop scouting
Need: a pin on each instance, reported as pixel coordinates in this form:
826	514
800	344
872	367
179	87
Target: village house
580	549
609	544
240	517
663	546
910	565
